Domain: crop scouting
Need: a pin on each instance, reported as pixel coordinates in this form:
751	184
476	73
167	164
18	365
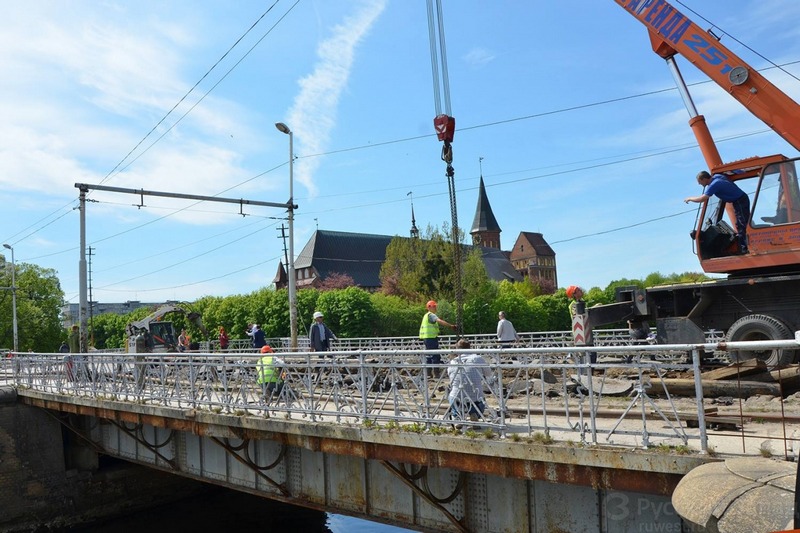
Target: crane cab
773	229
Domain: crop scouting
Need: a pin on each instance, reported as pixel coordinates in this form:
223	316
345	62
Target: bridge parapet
548	393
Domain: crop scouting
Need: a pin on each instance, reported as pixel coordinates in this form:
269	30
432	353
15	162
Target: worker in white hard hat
320	334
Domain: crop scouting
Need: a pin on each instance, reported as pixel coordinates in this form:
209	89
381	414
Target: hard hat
266	349
571	290
317	314
431	303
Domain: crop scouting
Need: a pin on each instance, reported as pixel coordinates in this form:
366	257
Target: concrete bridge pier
49	477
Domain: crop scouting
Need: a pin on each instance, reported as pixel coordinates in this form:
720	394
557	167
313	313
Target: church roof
360	256
498	266
484	217
536	240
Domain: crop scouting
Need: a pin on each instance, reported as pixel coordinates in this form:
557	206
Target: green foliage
270	312
550	312
348	312
39	299
418	269
511	300
479	293
401	272
475	280
107	331
394	317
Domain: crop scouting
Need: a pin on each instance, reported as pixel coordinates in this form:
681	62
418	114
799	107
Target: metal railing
539	339
525	390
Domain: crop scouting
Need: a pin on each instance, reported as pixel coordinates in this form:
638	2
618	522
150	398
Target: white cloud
313	114
479	57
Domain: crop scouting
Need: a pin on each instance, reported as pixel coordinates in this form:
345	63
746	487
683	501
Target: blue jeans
432	359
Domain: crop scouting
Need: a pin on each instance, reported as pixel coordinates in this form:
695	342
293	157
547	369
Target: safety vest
428	330
266	372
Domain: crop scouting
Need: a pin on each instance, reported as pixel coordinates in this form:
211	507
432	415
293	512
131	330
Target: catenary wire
180	101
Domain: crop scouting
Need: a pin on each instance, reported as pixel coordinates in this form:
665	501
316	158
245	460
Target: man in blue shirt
727	191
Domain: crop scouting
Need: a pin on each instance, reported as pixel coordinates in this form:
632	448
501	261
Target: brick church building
360	255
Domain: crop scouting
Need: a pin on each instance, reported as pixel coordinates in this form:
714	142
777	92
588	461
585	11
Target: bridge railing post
698	394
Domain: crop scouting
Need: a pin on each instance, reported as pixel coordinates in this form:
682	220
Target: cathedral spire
414	230
485	229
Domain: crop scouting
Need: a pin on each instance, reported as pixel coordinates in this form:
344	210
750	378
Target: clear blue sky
582	135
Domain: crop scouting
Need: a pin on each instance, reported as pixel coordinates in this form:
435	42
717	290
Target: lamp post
13	296
283	128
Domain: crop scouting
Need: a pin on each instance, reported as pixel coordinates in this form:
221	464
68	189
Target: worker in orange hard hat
271	373
572	290
578	307
429	333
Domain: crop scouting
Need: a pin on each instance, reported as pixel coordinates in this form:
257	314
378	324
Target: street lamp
13	296
283	128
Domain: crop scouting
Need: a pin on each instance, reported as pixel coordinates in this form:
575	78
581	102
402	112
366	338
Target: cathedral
360	255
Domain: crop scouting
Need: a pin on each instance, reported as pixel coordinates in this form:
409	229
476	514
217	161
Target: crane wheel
761	328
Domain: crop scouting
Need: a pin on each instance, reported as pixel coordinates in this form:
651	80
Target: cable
243	269
180	101
775	65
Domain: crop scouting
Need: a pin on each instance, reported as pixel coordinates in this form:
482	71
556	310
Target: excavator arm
156	316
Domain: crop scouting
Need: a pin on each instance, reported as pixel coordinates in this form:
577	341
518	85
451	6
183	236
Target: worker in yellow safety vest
269	372
429	333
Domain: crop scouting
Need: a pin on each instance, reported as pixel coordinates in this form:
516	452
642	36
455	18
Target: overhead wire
760	55
117	168
184	261
372	145
190	91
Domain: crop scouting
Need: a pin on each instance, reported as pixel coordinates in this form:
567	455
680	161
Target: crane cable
444	124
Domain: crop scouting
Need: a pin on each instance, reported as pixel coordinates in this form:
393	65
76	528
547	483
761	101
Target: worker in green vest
269	371
429	333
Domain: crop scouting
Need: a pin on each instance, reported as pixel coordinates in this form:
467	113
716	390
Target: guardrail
527	390
539	339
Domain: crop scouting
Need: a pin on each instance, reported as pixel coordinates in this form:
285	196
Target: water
220	509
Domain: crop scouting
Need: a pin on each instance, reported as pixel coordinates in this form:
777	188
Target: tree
420	269
108	331
512	301
401	271
336	280
39	301
551	312
394	316
348	312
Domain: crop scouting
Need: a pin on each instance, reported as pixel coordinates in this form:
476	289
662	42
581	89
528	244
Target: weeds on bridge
680	449
415	427
765	449
542	438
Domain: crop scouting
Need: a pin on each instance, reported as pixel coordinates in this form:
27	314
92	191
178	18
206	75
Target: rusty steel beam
616	474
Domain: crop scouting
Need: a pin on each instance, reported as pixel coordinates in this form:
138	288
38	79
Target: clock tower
485	229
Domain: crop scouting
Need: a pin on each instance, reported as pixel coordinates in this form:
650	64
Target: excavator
160	333
760	297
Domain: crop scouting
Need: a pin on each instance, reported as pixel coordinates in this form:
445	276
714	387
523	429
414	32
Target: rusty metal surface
739	495
615	469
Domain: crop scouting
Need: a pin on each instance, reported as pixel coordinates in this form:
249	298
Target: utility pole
13	297
283	128
285	252
91	302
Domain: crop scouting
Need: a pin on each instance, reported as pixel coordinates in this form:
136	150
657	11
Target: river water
220	509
